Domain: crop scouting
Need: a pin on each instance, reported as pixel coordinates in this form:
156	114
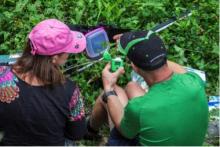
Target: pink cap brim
78	44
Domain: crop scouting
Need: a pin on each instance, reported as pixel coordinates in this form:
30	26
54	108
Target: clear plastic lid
97	42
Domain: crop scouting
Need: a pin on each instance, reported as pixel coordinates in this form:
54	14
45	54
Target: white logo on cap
161	55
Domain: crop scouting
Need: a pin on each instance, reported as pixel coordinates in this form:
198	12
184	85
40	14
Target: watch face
104	97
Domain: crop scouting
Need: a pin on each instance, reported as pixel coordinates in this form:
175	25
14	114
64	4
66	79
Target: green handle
107	56
115	63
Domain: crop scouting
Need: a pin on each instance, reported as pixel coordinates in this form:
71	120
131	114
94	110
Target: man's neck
158	76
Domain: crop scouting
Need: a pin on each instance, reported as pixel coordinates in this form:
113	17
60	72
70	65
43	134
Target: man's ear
135	68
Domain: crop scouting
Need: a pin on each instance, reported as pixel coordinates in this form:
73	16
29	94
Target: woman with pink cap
38	104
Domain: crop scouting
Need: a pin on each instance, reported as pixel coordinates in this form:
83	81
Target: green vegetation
191	42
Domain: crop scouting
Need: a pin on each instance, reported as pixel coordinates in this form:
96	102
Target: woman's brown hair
39	66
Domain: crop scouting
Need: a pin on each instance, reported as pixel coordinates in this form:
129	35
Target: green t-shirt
173	112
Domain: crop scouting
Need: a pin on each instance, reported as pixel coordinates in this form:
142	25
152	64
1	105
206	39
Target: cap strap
121	50
133	42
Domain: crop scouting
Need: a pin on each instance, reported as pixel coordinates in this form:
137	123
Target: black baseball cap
148	54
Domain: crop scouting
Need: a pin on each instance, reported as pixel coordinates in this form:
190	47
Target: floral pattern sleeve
76	106
9	90
76	124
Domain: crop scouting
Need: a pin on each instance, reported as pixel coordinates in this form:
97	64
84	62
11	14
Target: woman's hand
109	79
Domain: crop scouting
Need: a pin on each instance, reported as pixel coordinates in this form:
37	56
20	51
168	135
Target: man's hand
109	79
117	38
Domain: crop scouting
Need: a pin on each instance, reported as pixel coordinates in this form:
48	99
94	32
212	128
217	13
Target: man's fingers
120	71
116	73
107	67
116	37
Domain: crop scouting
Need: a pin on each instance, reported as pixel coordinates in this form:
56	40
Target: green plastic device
115	63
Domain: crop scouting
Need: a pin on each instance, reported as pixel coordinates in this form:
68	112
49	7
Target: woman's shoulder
9	89
70	86
4	69
7	77
70	83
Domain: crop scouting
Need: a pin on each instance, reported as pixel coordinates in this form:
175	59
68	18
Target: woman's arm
76	124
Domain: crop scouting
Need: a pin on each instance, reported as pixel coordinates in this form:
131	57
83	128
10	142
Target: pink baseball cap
52	36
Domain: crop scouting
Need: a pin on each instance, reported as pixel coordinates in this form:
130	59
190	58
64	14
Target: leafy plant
191	42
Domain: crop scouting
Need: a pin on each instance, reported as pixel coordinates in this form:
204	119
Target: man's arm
115	108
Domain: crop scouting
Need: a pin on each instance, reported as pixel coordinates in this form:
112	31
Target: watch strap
107	94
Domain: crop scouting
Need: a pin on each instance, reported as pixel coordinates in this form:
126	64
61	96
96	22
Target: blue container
97	43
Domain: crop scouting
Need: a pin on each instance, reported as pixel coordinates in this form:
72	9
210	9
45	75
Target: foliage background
191	42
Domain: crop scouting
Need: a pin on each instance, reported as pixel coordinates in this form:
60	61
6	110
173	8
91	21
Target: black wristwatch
107	94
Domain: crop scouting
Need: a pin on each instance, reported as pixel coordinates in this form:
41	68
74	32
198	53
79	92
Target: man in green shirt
174	111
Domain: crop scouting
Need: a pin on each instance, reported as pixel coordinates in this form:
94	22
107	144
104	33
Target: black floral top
38	115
